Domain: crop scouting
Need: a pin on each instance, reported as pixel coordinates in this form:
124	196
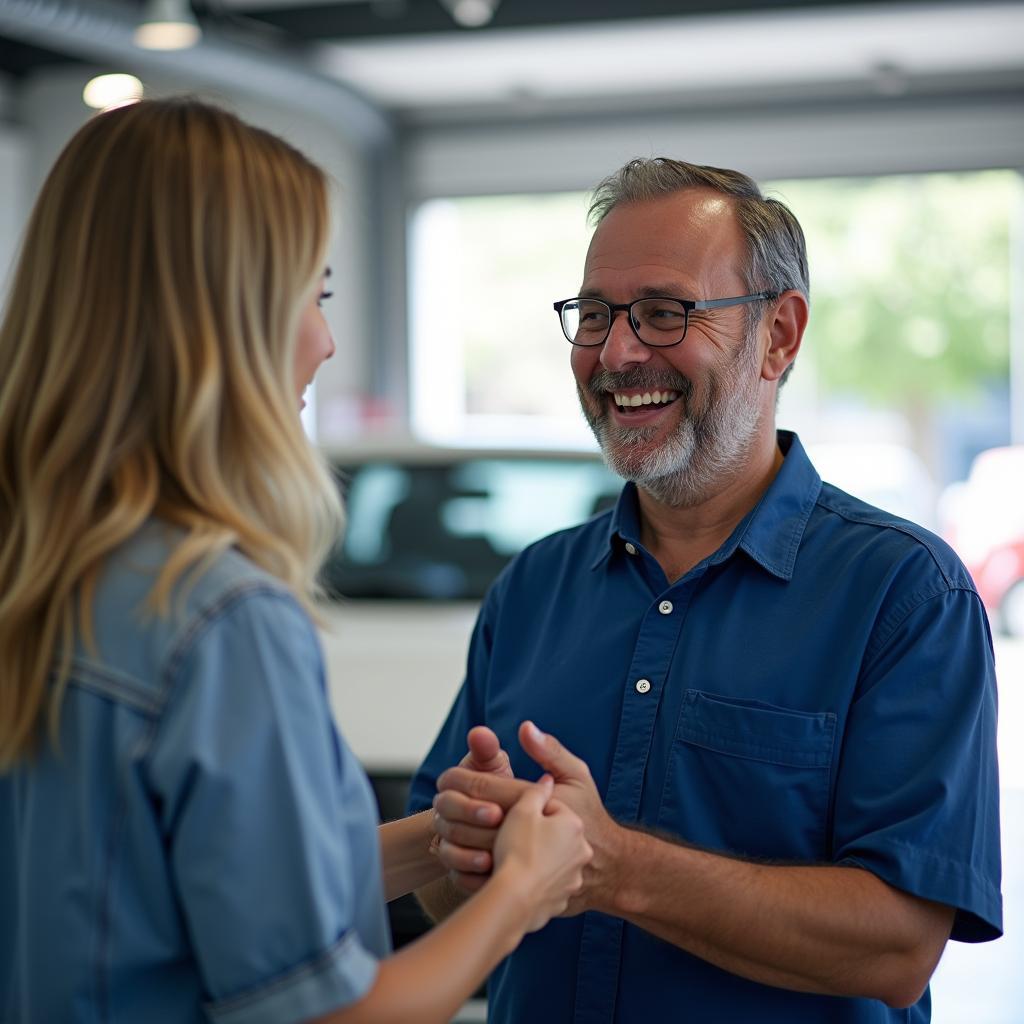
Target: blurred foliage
910	283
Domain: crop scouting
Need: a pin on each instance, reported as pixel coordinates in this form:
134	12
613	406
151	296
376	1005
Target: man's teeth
647	398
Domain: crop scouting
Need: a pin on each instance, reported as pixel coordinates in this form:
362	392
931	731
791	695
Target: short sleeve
268	818
467	710
917	797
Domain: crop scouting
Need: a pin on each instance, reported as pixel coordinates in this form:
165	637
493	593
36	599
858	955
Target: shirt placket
600	950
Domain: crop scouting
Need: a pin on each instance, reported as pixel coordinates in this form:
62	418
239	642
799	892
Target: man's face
687	245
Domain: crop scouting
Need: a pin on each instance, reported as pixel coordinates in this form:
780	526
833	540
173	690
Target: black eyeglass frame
689	305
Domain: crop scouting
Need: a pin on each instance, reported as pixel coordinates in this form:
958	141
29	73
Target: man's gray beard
710	444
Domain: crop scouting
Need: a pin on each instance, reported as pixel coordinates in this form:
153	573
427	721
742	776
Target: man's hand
575	788
460	790
837	930
465	828
485	753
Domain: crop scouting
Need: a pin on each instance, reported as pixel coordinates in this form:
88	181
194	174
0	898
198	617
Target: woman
182	832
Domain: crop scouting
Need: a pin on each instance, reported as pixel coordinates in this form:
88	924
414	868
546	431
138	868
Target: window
488	361
908	341
904	376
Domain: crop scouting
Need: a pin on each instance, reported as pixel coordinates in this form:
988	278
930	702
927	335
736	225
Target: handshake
556	829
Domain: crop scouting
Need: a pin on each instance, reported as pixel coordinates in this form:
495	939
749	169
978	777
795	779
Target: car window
444	531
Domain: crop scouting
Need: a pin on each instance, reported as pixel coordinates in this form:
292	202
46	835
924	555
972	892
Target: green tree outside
910	286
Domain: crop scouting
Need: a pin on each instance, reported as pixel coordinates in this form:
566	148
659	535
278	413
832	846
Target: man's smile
634	399
634	406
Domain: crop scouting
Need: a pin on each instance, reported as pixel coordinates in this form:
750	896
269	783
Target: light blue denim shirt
203	845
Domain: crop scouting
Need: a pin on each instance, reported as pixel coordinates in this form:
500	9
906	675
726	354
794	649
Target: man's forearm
833	930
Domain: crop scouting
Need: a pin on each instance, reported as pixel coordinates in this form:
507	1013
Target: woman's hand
541	846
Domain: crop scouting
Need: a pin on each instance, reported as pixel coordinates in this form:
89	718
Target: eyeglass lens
656	321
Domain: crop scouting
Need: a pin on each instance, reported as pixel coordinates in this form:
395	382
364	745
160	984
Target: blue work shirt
203	845
819	690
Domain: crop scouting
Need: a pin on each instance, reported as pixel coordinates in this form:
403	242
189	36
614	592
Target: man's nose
622	347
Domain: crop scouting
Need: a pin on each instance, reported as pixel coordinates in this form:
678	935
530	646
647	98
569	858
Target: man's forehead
690	235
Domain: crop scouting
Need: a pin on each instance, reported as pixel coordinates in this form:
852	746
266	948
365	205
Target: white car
889	476
428	530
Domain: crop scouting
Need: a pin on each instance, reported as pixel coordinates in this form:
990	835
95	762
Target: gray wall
796	140
47	108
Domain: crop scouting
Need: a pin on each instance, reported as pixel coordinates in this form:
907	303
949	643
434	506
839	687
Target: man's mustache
639	377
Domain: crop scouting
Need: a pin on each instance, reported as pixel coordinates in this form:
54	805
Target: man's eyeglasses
658	321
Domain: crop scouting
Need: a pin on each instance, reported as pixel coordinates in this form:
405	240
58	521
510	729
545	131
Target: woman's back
200	794
183	834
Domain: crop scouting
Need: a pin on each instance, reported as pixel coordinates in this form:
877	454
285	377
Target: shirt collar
770	533
775	527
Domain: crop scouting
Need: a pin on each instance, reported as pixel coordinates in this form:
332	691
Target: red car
999	577
985	523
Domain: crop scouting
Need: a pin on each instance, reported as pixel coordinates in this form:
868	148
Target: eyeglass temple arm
734	301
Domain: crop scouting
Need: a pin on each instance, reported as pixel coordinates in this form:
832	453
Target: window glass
908	342
446	529
903	383
489	362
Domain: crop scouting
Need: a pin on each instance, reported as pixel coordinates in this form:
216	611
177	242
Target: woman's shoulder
132	572
141	639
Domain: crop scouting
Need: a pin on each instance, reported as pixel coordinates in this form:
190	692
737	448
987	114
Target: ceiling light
167	25
107	91
471	13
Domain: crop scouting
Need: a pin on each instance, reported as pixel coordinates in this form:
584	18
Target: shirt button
631	548
643	685
665	607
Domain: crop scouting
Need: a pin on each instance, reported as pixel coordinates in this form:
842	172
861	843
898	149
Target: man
780	701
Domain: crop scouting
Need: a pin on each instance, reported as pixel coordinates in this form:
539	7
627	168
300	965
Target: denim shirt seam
887	628
195	628
958	580
119	686
105	916
311	966
203	619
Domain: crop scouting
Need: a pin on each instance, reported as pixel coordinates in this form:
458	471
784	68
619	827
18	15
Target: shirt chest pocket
749	778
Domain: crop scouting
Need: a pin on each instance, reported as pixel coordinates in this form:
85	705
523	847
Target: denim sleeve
917	797
272	842
469	709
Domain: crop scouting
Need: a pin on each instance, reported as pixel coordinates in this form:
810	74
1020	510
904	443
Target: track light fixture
167	25
471	13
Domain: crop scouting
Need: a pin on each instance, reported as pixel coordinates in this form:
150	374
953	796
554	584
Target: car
999	577
887	475
984	522
428	530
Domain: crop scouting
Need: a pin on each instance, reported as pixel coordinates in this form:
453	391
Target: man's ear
786	323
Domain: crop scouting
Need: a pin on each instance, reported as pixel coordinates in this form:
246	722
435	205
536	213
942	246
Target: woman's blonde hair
146	369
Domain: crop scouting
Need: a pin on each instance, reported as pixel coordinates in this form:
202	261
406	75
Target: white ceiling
887	48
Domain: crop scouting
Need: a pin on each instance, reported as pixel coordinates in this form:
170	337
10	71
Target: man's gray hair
777	251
